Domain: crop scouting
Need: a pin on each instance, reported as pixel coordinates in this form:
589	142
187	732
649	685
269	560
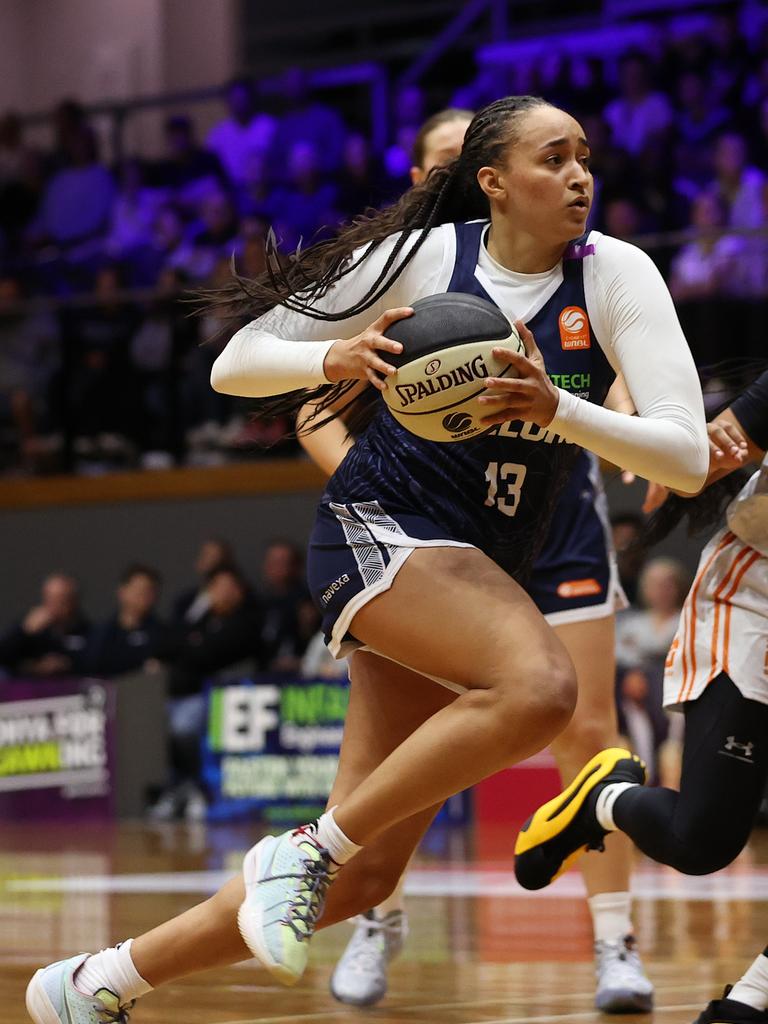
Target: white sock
752	988
330	836
112	969
610	916
606	800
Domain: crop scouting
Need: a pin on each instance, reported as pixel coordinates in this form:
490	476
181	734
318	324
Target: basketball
447	353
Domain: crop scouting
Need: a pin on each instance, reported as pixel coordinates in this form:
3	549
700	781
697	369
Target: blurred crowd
679	140
223	625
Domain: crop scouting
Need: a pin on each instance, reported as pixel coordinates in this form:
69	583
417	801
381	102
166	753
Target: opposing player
454	671
715	674
574	583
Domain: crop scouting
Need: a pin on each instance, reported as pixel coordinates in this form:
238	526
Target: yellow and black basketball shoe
729	1011
564	828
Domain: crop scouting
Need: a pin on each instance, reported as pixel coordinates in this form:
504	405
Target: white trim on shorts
615	601
386	532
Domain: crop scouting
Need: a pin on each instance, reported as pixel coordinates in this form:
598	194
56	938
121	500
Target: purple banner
57	749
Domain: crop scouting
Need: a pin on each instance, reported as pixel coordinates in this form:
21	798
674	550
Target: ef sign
248	713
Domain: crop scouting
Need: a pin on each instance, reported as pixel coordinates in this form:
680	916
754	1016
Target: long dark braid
450	193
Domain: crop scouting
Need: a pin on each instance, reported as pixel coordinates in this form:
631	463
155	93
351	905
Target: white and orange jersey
723	625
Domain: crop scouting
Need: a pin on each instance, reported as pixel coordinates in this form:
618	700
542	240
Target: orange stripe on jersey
729	607
692	596
718	601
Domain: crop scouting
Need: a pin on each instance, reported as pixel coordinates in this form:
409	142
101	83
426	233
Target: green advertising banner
272	747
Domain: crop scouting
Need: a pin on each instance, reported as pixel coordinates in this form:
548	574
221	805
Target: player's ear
490	181
417	176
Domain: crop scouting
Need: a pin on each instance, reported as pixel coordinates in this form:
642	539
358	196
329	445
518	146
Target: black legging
725	766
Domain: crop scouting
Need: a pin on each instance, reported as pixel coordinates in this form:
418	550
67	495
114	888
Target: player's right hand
358	359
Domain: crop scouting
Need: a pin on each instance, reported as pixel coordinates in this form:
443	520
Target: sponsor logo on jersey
528	432
578	382
579	588
334	588
473	369
574	328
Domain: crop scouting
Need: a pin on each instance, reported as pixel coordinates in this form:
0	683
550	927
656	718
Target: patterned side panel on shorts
368	554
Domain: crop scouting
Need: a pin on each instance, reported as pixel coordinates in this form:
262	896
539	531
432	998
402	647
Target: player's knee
703	855
540	697
553	691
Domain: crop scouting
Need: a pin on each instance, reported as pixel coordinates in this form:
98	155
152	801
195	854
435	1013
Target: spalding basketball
447	353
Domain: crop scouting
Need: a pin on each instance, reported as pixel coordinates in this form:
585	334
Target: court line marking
429	1007
748	886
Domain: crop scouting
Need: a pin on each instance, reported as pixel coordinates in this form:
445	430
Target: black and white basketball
447	353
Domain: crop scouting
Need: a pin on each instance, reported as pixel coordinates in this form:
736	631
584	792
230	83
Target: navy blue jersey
496	491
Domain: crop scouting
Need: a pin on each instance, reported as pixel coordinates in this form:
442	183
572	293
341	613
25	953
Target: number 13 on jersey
505	482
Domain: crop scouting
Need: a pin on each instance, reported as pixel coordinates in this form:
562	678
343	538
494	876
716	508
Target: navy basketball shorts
575	577
357	548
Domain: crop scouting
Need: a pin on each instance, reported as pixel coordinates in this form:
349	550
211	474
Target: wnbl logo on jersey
574	328
473	369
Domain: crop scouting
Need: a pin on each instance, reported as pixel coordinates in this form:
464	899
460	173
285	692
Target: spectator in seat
102	386
134	634
714	263
305	202
189	172
362	182
643	636
51	638
736	183
193	604
167	248
77	202
698	119
134	212
244	136
223	638
640	113
217	236
306	120
29	358
289	617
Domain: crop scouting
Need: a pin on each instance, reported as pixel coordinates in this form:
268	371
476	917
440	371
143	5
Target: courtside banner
272	747
57	749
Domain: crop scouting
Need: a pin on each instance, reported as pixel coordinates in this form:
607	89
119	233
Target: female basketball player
417	544
574	583
715	674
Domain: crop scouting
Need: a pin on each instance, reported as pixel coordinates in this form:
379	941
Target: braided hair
450	193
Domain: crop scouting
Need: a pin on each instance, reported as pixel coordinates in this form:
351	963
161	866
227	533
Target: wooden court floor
479	952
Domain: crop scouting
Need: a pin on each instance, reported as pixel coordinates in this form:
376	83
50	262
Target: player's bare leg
621	982
519	697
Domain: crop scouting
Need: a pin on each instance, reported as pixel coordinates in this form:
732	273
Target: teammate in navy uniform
417	544
574	583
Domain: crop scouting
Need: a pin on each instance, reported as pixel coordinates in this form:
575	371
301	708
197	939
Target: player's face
544	186
441	145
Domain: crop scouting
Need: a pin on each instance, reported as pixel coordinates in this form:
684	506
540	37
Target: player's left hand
530	396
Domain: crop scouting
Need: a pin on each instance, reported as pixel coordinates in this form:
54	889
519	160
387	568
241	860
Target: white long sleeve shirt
632	317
